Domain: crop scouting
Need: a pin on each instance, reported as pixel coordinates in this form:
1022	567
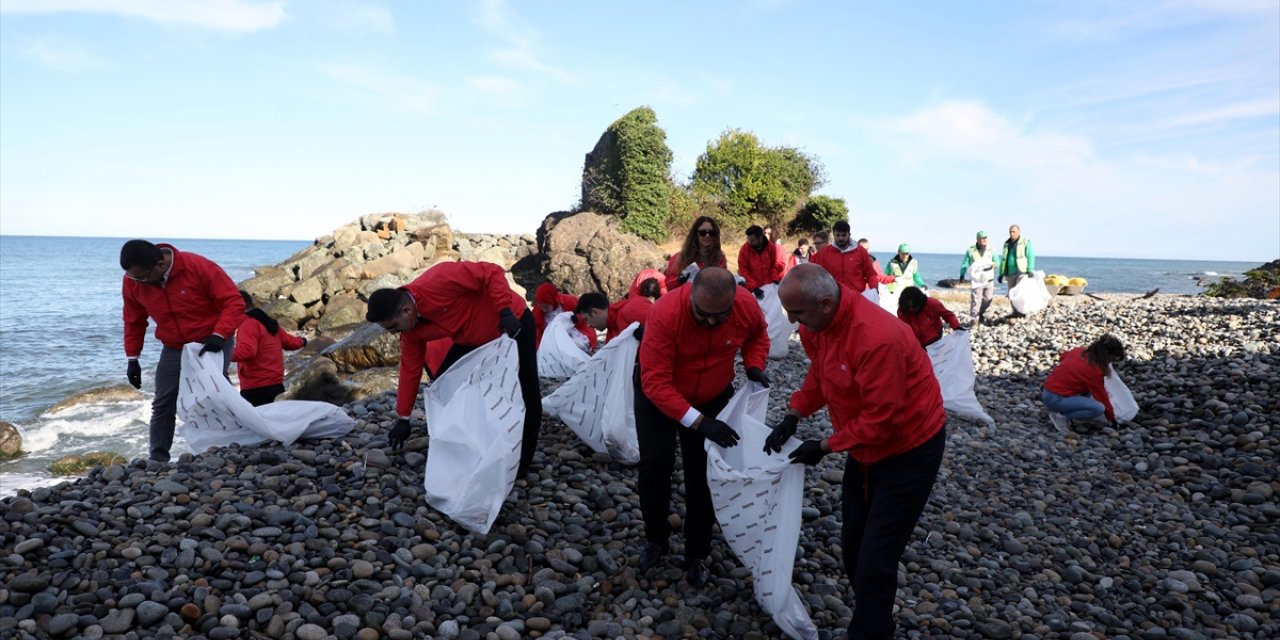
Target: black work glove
781	433
213	344
508	323
639	333
756	375
399	433
682	278
718	432
809	452
758	293
1000	279
134	374
304	343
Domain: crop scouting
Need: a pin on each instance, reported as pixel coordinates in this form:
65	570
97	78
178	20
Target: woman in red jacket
924	315
1075	389
701	247
259	354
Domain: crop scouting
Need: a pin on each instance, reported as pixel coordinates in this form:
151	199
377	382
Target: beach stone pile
1164	528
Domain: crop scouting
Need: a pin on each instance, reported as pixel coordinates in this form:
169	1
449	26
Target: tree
819	213
751	183
627	174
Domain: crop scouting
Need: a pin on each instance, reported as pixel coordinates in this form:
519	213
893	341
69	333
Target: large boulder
267	284
10	441
316	380
371	382
98	395
340	311
288	313
367	347
585	251
401	260
306	292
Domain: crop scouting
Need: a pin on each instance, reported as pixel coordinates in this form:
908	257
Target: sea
61	333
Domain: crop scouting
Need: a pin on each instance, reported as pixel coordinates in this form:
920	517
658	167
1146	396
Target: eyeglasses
143	278
393	325
709	233
710	316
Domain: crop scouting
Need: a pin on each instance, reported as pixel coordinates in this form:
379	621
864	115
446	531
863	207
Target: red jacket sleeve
291	342
224	291
135	322
657	364
944	313
744	266
869	277
673	273
247	339
413	353
808	399
878	375
779	264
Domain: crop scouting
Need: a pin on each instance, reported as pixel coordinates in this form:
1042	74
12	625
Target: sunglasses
710	316
709	233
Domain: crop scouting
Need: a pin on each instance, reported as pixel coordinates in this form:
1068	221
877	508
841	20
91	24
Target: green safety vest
1019	257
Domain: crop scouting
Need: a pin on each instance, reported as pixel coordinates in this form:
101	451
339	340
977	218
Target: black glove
508	323
304	343
1000	279
213	344
639	333
134	374
718	432
1115	424
781	433
756	375
399	433
809	452
962	328
758	293
682	278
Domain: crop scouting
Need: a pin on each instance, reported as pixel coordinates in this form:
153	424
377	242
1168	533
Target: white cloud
63	54
520	40
1107	20
391	91
225	15
968	131
502	91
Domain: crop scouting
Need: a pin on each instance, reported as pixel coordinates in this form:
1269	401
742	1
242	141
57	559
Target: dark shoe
651	556
696	573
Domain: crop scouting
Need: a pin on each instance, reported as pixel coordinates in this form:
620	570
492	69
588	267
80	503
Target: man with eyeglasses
471	304
847	262
191	299
686	378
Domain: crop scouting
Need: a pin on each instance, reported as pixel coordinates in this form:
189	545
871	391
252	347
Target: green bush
1262	282
750	183
627	174
818	214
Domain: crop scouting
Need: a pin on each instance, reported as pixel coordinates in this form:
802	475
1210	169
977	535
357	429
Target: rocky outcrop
10	441
317	379
582	252
78	464
98	395
366	347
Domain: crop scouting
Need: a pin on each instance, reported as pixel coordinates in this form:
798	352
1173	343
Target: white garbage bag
1123	403
475	417
775	316
981	273
952	358
214	414
889	298
874	296
599	402
559	355
1030	295
757	497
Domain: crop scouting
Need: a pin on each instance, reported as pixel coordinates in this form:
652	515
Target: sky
1103	128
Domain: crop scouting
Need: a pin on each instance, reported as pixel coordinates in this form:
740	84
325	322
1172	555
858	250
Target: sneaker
650	556
696	572
1060	422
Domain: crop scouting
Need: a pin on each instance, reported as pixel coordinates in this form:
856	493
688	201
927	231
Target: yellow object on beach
1078	282
1055	280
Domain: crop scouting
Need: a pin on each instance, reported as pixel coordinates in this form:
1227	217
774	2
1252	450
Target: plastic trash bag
981	273
1123	403
1030	295
775	316
757	497
214	414
952	358
599	402
559	355
874	296
475	417
888	298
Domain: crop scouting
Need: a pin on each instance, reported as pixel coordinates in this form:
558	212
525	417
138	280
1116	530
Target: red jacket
622	313
761	267
880	276
875	380
851	268
460	301
259	353
1074	376
196	300
683	363
673	270
567	303
927	325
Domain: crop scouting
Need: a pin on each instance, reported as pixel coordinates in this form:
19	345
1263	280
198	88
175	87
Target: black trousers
262	395
882	503
527	349
657	435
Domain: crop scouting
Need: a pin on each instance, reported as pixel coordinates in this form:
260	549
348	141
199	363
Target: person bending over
1076	388
924	315
259	354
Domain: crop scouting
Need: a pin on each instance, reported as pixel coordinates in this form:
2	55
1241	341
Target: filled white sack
757	497
559	355
1030	295
475	417
214	414
981	273
1123	403
599	402
888	297
780	328
952	358
874	296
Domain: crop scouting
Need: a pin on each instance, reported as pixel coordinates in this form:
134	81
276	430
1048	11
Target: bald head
712	294
810	295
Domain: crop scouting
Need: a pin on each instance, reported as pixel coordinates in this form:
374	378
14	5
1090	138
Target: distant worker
548	303
820	240
847	262
191	299
979	267
701	249
924	315
1076	388
759	261
875	264
259	354
905	267
799	255
1017	261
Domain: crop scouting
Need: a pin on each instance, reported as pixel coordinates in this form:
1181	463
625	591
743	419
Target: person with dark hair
1076	388
593	309
686	378
820	241
847	262
886	413
548	303
471	304
701	249
925	315
759	261
800	255
259	354
191	299
646	288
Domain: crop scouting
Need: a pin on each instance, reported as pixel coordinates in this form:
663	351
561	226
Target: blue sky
1127	129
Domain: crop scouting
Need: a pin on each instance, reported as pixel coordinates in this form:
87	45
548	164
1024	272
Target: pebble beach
1163	528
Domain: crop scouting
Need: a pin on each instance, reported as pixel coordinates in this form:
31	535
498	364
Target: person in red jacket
701	249
686	379
259	354
595	310
925	315
759	261
881	278
471	304
548	303
1076	388
886	414
849	263
799	256
191	299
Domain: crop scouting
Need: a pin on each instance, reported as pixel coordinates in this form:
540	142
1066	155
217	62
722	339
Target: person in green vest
904	266
1017	261
978	267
